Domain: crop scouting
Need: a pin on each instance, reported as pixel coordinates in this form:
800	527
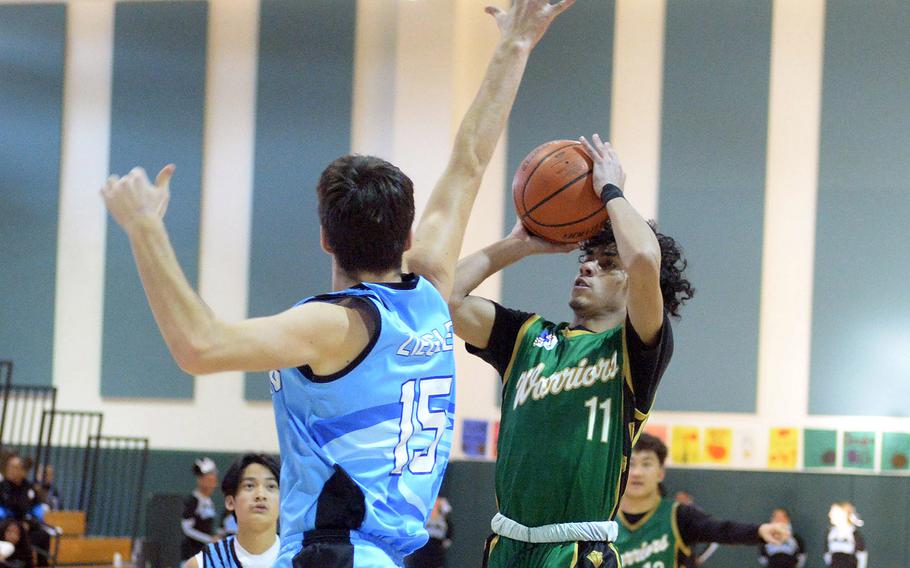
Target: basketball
554	194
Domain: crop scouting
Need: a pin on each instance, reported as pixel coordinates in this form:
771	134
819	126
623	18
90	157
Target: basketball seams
530	175
552	195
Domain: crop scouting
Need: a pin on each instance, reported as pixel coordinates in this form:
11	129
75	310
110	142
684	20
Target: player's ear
229	502
662	474
323	241
409	241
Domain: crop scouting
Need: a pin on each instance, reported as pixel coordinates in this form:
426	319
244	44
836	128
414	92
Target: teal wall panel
156	118
565	94
303	122
32	45
860	344
712	179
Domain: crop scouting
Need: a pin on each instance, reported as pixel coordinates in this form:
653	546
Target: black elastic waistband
327	535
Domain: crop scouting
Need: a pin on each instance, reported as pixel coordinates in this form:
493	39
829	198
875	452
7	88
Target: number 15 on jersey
418	418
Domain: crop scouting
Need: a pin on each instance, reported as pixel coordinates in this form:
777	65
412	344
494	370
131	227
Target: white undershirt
265	560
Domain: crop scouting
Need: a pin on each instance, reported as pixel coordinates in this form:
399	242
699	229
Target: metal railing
67	443
118	469
23	409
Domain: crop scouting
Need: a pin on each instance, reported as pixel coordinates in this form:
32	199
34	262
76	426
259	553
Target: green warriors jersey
664	536
653	541
573	403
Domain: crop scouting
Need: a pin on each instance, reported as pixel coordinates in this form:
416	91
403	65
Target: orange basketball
554	194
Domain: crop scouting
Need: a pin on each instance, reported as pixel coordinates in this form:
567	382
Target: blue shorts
337	549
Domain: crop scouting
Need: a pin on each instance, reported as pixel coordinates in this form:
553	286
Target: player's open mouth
580	283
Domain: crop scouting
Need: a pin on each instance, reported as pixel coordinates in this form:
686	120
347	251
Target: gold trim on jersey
616	554
493	542
627	372
574	556
641	522
680	543
518	341
576	332
624	464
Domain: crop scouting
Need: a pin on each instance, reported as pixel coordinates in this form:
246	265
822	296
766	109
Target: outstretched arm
199	342
473	316
697	526
440	232
636	243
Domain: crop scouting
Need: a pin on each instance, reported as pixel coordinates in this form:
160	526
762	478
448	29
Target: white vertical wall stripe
81	237
227	188
373	124
424	92
797	55
638	70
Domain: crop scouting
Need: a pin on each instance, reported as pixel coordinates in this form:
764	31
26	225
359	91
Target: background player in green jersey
656	532
574	394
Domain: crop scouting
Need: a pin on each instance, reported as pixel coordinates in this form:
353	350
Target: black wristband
609	193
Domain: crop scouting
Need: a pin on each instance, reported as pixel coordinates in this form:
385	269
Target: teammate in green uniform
574	394
657	532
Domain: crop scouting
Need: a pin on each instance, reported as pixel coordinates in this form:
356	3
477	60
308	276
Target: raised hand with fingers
134	197
528	20
607	168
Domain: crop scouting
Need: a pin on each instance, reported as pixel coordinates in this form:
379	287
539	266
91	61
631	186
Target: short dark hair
366	208
648	443
231	481
675	289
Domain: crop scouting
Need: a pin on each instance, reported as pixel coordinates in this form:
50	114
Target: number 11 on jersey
592	405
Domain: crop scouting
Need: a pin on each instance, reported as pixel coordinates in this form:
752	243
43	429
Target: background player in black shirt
198	519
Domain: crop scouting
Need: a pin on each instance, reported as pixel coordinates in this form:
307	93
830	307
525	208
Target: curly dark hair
675	289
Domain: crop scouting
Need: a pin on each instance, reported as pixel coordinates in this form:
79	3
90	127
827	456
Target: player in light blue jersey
364	400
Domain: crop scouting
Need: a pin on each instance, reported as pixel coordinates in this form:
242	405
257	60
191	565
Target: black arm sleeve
189	507
647	364
506	325
860	541
696	526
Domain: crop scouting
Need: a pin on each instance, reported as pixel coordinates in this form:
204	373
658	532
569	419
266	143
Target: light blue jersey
364	451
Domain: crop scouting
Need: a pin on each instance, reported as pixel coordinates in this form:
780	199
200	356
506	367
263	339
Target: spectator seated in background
789	554
20	501
50	494
15	550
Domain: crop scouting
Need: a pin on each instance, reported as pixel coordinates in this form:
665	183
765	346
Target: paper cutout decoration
686	445
820	448
718	445
859	450
782	448
659	432
895	451
474	438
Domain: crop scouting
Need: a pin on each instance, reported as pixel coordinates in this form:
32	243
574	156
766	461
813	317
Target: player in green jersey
656	532
575	394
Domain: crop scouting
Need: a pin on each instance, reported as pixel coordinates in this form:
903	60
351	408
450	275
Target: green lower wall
883	502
